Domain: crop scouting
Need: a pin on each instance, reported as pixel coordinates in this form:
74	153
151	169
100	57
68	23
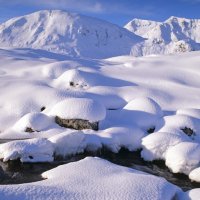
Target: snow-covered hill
173	35
67	33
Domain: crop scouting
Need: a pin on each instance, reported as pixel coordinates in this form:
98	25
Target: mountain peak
176	34
67	33
175	19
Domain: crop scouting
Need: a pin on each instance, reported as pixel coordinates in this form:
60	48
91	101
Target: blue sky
116	11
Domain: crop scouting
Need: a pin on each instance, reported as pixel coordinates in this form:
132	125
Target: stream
15	172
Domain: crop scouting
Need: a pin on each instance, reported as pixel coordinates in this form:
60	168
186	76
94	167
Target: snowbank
32	150
92	178
68	143
181	123
117	137
184	157
155	145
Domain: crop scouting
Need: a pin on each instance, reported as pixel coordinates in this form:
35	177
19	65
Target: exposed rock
151	130
43	108
78	124
29	130
188	131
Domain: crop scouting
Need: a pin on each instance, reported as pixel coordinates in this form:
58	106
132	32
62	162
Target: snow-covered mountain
78	35
173	35
67	33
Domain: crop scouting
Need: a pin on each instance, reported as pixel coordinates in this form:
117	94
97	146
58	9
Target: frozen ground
129	97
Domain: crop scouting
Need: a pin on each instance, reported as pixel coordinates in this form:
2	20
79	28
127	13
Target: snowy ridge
171	36
67	33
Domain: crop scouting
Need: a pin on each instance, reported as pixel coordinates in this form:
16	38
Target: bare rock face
78	124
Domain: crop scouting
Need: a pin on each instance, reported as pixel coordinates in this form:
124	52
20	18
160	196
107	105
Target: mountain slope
173	35
67	33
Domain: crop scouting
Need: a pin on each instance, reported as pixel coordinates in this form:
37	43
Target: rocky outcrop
78	124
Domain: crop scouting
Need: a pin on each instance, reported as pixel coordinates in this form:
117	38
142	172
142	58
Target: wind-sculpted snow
171	36
93	178
67	33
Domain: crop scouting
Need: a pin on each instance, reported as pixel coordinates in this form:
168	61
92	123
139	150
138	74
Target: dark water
14	172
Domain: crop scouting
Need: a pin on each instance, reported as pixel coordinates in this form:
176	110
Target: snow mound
79	108
143	112
35	121
145	104
32	150
93	178
75	78
55	69
181	123
68	143
155	145
195	175
117	137
183	157
67	33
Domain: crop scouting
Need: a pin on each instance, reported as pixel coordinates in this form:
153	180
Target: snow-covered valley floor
150	103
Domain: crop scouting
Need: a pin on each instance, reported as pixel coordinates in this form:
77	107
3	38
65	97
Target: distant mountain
173	35
77	35
67	33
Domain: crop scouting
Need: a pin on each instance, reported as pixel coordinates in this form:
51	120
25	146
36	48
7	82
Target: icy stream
15	172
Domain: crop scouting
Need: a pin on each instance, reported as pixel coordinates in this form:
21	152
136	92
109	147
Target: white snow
75	78
32	150
189	112
145	104
195	175
189	195
72	142
67	33
174	35
175	124
156	144
68	143
183	157
116	137
128	96
92	178
35	121
79	108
